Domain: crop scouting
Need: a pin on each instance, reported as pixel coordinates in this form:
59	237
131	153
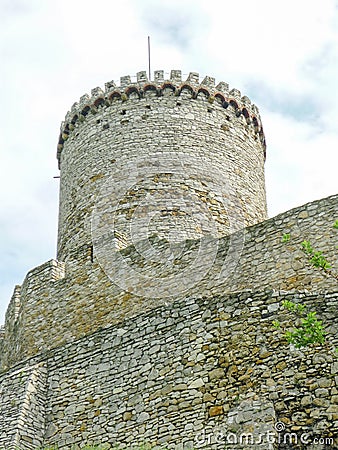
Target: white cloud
301	162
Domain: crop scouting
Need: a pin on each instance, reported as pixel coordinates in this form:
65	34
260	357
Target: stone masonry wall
197	373
62	302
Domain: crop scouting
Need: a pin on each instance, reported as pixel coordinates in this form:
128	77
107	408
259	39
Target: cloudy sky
283	55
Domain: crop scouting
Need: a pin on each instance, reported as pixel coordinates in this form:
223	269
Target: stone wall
196	373
62	302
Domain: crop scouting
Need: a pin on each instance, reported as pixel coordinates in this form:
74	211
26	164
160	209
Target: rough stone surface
117	387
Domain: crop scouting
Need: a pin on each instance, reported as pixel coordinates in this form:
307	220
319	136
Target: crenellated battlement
206	90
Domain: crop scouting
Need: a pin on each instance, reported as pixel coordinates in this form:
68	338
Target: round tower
179	159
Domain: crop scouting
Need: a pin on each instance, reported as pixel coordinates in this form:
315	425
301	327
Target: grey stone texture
193	373
154	325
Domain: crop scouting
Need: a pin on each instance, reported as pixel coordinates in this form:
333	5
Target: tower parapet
219	93
211	138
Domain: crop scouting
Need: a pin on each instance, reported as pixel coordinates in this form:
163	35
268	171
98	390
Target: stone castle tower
185	159
153	323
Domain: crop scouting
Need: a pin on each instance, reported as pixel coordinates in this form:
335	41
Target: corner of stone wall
22	407
13	309
23	301
51	270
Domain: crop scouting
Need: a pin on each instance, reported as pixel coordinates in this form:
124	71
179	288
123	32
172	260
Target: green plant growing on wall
308	330
286	237
316	258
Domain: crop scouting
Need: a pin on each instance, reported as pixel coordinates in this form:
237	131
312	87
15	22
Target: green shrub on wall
309	330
